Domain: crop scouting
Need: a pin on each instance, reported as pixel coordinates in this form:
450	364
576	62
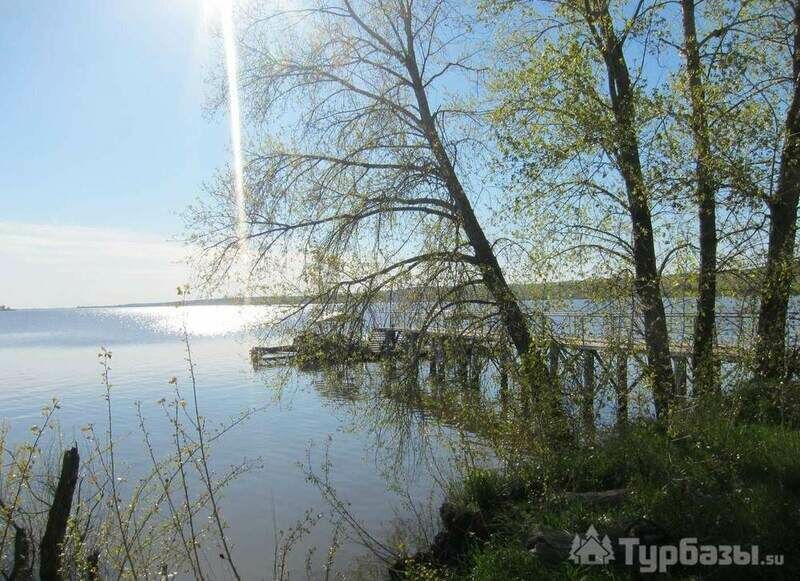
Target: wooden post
679	369
432	371
555	353
475	367
412	369
22	556
443	357
622	388
58	516
464	355
588	369
410	354
588	388
440	357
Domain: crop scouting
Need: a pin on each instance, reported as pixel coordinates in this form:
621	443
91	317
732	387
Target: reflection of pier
570	334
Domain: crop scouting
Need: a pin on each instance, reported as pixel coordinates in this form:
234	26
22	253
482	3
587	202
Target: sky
105	139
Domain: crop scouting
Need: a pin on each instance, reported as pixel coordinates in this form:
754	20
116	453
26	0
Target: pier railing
598	357
593	350
735	330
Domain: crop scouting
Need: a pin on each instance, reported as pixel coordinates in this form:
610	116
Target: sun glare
232	70
221	11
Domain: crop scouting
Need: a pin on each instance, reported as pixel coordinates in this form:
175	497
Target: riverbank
709	477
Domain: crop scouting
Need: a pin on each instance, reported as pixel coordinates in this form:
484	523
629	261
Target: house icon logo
591	549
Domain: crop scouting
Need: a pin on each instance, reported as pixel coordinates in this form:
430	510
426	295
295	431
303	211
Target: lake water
383	449
378	458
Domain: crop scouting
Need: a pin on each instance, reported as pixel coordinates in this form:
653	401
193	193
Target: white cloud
48	265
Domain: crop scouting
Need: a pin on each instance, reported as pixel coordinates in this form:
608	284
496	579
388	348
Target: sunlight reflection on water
200	321
372	445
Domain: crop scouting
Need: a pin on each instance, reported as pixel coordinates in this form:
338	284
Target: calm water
373	453
382	449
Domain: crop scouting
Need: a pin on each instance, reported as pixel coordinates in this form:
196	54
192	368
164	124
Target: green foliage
316	349
498	563
775	402
704	475
732	283
485	488
558	134
423	572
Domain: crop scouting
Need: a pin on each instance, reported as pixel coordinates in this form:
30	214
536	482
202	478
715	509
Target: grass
705	475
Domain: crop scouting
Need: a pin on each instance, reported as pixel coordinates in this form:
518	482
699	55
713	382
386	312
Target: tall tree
370	167
647	281
703	360
780	265
575	110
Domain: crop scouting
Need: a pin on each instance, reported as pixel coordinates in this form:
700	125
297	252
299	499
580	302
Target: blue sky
103	127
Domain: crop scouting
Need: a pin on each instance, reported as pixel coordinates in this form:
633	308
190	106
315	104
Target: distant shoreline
731	283
231	301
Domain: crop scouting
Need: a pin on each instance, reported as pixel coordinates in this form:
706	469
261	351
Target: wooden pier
276	355
593	352
595	358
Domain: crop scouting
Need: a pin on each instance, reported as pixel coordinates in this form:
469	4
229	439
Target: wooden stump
22	570
58	516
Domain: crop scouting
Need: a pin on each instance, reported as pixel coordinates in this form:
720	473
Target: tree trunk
647	282
779	272
704	364
511	313
57	518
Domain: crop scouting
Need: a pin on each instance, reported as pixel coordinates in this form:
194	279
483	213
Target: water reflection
393	440
390	453
199	321
412	421
421	435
